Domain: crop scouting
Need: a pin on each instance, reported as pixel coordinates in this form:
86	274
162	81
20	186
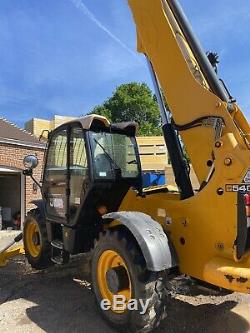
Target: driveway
60	300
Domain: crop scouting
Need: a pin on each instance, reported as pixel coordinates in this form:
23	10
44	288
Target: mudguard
154	243
39	204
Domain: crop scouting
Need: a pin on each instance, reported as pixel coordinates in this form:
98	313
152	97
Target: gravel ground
60	300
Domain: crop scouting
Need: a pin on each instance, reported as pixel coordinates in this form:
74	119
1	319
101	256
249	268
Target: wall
59	120
12	156
170	179
153	153
36	126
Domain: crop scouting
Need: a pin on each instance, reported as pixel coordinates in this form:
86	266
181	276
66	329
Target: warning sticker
247	177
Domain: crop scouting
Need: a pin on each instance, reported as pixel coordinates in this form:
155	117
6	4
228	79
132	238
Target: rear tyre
118	268
36	245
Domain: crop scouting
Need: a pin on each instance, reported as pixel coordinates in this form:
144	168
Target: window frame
134	180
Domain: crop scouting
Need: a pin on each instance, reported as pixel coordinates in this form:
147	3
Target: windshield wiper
113	162
132	162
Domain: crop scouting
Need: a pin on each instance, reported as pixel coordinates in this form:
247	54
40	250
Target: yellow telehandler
93	198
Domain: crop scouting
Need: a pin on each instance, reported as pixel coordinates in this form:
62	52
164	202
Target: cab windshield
113	153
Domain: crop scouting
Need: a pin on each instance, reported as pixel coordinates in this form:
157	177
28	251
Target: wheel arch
40	205
155	245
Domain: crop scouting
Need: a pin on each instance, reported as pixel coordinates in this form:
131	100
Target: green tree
133	102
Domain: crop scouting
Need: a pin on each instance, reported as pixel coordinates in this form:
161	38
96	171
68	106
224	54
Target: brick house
16	190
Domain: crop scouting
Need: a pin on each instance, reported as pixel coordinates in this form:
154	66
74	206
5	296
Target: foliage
133	102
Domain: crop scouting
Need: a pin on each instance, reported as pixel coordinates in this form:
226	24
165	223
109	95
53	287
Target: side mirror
30	162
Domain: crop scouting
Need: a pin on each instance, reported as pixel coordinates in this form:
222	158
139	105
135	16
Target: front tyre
118	268
36	245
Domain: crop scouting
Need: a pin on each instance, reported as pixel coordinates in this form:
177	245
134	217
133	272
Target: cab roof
97	123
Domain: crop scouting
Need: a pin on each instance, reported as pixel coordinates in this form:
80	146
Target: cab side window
78	169
55	175
57	157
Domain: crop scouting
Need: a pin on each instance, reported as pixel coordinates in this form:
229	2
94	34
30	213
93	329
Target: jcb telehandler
93	198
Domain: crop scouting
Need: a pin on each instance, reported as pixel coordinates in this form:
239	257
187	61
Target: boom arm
199	105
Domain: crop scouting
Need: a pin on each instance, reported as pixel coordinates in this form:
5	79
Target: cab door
55	182
66	174
78	172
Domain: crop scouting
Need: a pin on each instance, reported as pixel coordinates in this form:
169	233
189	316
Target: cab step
57	260
57	244
59	255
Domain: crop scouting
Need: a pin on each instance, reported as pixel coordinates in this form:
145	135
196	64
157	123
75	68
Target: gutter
22	143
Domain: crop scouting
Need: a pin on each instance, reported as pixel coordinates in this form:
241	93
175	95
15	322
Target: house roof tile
11	131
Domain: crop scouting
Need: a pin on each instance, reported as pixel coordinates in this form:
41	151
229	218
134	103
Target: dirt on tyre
36	245
118	268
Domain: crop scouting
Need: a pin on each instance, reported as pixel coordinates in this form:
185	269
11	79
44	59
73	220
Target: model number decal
238	188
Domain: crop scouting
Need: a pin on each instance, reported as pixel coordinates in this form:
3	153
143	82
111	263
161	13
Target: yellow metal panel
5	256
204	226
228	274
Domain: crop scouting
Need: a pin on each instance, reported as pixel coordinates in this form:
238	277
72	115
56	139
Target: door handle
59	184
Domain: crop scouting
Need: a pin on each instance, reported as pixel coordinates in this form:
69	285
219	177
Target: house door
12	201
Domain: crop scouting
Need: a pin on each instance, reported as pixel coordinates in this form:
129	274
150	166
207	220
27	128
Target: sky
66	56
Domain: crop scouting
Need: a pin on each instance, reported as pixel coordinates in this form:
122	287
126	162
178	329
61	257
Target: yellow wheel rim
33	239
111	260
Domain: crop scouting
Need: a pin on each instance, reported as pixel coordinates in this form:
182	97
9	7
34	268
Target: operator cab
90	166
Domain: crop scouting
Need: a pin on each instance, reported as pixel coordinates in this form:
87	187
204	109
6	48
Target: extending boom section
200	106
